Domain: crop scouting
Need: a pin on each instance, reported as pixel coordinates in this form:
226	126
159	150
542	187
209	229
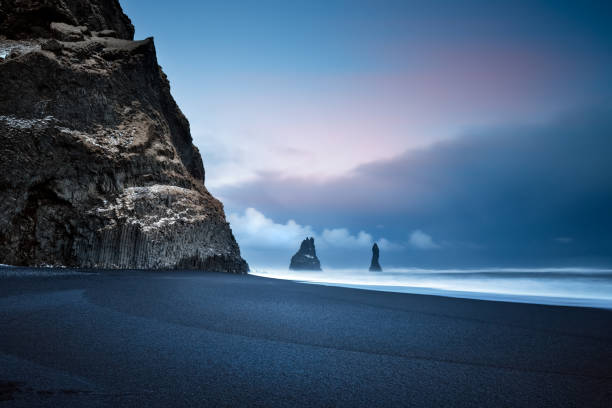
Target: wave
575	286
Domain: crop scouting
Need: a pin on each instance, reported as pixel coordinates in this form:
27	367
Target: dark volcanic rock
374	265
20	19
98	167
306	258
67	32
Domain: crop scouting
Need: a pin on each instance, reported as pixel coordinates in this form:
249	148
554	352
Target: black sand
193	339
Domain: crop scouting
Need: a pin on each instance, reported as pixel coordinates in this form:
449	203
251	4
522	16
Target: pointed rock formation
374	265
98	167
305	259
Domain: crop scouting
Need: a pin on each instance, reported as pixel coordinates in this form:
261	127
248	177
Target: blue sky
465	133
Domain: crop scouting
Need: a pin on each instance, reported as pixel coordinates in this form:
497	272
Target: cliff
305	259
98	166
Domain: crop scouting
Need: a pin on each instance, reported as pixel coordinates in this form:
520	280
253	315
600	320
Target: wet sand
196	339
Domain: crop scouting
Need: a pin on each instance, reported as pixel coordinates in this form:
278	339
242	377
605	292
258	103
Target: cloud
505	191
387	245
420	240
341	237
254	230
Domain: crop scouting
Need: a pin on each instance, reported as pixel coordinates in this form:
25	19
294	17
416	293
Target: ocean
586	287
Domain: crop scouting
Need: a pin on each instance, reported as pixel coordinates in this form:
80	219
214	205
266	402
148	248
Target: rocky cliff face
98	168
305	259
375	265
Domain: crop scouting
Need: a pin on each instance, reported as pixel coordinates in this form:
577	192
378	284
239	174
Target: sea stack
374	265
98	167
305	259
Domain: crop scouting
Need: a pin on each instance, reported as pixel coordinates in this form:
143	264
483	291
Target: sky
454	134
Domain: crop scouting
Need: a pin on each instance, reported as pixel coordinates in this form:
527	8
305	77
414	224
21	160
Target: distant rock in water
98	167
374	265
306	258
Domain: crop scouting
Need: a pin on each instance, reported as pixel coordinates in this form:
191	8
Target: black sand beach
195	339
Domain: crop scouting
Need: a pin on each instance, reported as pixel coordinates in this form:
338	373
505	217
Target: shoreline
11	271
485	296
556	286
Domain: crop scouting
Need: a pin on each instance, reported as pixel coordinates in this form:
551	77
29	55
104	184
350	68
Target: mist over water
588	287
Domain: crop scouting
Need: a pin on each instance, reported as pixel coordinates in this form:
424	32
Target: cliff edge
98	167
